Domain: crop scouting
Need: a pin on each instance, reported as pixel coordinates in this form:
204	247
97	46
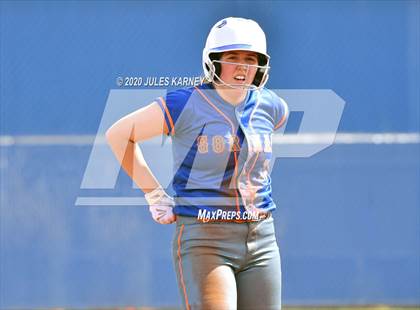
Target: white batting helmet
234	33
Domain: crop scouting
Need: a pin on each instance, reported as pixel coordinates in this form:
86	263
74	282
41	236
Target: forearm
132	161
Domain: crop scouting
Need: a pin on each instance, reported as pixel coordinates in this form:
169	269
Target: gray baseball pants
227	266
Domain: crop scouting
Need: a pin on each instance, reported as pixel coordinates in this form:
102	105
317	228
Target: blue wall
348	222
64	57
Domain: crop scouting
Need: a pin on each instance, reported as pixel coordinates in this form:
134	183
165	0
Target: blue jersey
221	152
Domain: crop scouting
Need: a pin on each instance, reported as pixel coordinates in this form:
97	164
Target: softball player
224	249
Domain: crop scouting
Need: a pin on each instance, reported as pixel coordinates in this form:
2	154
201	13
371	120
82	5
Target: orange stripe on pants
181	275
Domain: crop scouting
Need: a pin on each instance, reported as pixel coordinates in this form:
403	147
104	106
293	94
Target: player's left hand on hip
161	206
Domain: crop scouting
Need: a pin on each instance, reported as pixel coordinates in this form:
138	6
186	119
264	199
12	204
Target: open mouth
240	78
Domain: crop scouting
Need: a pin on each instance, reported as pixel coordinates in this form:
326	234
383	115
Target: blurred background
348	218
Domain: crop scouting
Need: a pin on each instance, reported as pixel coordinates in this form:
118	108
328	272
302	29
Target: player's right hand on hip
160	206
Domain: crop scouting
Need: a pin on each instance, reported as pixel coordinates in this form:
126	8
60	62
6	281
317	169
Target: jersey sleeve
281	111
173	106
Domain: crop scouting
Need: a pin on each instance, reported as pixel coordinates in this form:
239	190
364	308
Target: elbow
111	135
117	134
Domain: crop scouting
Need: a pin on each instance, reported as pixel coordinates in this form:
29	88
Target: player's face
243	71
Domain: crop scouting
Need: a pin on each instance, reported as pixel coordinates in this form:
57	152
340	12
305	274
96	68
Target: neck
231	95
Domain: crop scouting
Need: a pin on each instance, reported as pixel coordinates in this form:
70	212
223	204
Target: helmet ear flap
217	66
258	77
262	60
262	73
